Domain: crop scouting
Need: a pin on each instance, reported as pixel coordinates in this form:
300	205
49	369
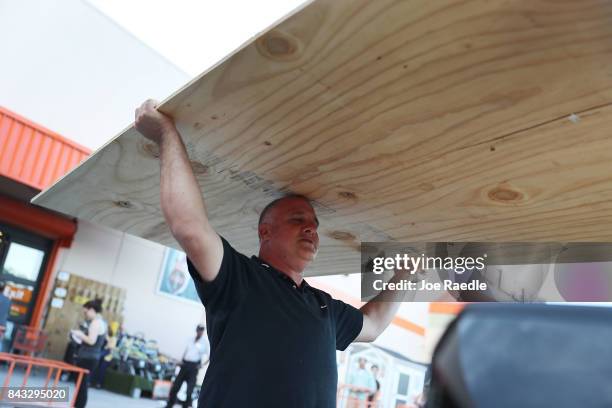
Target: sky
192	34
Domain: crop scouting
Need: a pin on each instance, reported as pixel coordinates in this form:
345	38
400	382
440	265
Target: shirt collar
281	275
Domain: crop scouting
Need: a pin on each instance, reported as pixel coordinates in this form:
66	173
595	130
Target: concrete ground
96	398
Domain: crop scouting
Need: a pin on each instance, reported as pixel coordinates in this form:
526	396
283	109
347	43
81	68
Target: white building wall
404	342
68	67
93	253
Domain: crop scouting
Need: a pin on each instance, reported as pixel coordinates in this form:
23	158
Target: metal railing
29	340
54	373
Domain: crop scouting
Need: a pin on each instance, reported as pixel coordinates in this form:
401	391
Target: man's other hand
151	123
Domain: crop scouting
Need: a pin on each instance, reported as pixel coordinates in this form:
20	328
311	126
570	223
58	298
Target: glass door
402	389
23	258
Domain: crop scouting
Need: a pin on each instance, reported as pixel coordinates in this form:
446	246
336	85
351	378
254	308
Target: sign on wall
174	279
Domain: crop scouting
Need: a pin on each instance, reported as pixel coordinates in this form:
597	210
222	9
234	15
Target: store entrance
23	258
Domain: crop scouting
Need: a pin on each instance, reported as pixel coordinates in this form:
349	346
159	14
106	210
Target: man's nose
310	228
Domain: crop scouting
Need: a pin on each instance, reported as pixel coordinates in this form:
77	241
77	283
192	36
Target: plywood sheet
402	120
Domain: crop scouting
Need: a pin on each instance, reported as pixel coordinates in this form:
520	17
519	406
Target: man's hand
409	275
151	123
378	312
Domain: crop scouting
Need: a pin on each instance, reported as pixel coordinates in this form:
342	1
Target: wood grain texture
402	120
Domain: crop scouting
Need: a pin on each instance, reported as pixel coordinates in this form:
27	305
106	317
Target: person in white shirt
361	383
192	361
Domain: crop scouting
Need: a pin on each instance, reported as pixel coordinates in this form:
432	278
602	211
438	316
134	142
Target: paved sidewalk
96	398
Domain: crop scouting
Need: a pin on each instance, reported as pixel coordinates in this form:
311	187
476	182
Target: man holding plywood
273	337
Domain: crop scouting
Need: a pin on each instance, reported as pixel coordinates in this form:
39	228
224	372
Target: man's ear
264	229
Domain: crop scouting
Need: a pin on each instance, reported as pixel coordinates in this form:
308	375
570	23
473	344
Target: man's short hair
2	286
272	204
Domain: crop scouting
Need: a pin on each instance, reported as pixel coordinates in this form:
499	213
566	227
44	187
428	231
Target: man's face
291	229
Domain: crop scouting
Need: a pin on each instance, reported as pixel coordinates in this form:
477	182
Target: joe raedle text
412	264
446	284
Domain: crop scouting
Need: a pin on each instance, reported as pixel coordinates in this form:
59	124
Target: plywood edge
39	198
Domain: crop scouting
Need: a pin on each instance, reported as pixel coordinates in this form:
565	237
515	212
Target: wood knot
278	46
347	195
198	168
505	195
124	204
151	149
342	235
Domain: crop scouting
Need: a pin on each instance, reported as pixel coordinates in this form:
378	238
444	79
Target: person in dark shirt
264	320
375	396
5	307
91	341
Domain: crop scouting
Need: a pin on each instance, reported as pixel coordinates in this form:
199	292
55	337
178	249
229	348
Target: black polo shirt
272	343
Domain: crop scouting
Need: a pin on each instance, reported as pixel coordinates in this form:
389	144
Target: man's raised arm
379	312
181	198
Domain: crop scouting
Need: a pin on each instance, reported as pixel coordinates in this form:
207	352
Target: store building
31	157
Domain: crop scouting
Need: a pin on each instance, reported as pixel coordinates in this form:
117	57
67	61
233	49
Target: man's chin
308	247
308	255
